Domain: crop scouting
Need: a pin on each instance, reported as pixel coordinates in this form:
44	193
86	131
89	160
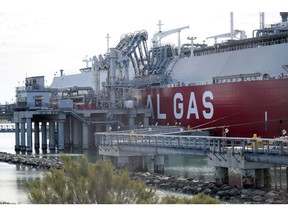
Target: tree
80	182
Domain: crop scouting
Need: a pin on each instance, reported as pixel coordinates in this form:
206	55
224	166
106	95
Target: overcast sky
41	37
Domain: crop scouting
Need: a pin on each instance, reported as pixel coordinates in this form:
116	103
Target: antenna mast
108	37
160	24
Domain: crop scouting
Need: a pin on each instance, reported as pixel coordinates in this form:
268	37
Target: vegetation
80	182
200	198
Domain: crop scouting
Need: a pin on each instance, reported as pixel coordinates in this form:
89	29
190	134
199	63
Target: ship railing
253	43
152	130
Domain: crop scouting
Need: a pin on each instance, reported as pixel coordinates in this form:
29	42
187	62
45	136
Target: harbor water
13	177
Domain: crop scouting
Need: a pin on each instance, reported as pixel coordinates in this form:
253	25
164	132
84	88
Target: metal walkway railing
252	149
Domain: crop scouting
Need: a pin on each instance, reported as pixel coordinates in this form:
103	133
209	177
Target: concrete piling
17	137
36	135
159	164
44	135
61	124
221	175
29	134
23	136
51	135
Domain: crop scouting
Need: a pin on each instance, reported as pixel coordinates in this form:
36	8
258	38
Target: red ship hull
245	108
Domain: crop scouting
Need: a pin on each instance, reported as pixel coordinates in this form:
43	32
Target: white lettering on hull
159	114
149	104
179	106
192	108
208	105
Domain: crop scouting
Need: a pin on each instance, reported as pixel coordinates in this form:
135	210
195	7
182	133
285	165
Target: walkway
251	149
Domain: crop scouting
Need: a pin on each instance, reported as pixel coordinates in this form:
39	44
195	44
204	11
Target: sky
38	38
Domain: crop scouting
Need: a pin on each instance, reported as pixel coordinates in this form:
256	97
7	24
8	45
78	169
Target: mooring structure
254	157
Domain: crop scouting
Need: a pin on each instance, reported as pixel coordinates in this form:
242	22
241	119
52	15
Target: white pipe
262	20
179	44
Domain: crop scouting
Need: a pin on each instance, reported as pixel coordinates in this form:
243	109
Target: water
12	177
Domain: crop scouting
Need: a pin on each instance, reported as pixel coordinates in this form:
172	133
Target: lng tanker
238	87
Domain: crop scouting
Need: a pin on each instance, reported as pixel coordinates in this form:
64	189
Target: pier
254	157
62	128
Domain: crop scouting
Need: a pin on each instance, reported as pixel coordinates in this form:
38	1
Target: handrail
250	148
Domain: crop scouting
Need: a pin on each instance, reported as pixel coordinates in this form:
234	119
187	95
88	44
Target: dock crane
161	34
232	34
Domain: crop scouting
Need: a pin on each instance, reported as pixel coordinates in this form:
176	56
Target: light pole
192	44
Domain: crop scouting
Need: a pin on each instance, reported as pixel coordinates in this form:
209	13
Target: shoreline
225	193
30	160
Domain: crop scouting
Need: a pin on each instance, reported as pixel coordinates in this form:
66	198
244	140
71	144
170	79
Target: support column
275	176
67	135
85	136
106	158
259	178
221	175
131	121
61	135
146	121
23	136
159	164
248	177
36	135
44	134
52	135
137	163
262	178
287	179
267	178
97	141
280	177
29	135
75	134
17	136
123	161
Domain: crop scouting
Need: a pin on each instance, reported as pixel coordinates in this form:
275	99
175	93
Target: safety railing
207	144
